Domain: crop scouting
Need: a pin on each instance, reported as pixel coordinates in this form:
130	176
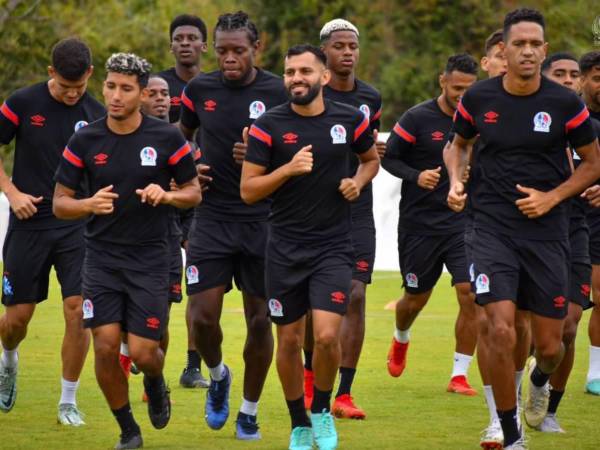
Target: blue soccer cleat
324	431
301	439
216	408
246	428
593	387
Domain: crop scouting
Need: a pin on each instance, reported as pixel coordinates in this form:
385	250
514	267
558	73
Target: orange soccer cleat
125	362
396	361
344	408
460	385
309	391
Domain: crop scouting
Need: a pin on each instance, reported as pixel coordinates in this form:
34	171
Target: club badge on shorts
257	108
482	284
542	122
412	281
148	156
88	309
338	134
80	124
192	275
275	307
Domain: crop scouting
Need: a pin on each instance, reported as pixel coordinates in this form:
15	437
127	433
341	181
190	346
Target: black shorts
581	269
363	242
135	299
469	251
221	251
300	277
593	222
534	272
175	269
422	260
29	256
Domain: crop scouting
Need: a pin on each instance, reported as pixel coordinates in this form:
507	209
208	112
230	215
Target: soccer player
520	229
41	118
188	36
563	68
429	234
127	160
590	90
228	238
299	154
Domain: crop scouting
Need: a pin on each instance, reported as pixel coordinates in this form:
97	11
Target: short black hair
493	39
307	48
71	58
130	64
558	56
522	15
155	76
462	62
588	61
188	20
237	21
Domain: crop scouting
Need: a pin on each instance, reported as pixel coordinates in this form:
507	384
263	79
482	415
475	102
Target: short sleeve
9	120
578	127
403	136
464	124
376	116
181	161
71	166
260	144
189	117
362	139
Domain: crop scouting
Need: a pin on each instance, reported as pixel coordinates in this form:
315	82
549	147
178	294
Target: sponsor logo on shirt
338	297
338	134
153	322
192	275
365	110
100	159
290	138
482	284
491	117
275	307
412	280
38	120
472	272
80	124
210	105
88	309
175	101
437	136
148	156
560	302
257	109
542	122
362	266
6	286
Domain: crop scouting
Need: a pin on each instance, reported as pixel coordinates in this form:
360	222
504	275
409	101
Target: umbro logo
210	105
153	322
100	159
175	101
585	290
560	302
38	120
362	266
437	136
338	297
290	138
491	117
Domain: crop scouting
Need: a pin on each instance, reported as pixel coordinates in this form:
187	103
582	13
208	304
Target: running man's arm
66	206
456	160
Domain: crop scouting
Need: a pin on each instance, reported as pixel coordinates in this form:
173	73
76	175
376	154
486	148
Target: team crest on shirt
257	109
148	156
482	284
542	122
80	124
338	134
88	309
192	275
412	281
365	110
472	272
6	286
275	307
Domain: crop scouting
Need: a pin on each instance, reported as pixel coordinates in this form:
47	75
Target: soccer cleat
8	387
593	387
217	402
344	408
192	378
246	428
125	362
550	425
460	385
128	442
324	431
521	444
309	388
159	404
492	437
301	439
396	361
536	404
68	414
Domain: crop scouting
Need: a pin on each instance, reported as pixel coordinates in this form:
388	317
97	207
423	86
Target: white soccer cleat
492	437
68	414
550	425
521	444
536	405
8	387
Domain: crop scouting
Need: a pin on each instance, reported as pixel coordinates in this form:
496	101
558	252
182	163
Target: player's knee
105	351
289	343
73	311
204	320
549	349
502	334
326	340
259	325
143	357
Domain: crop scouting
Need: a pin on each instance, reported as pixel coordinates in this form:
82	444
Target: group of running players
108	195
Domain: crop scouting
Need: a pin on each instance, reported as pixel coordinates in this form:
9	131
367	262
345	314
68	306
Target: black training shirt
309	208
368	100
176	86
221	111
523	141
42	126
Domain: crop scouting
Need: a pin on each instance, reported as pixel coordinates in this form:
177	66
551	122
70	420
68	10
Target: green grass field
412	412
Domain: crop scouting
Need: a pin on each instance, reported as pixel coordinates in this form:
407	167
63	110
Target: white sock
217	373
461	364
10	358
124	349
69	391
594	370
402	336
248	407
491	403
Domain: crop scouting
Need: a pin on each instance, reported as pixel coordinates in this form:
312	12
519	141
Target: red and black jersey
368	100
309	208
154	153
42	126
176	86
221	111
416	144
523	141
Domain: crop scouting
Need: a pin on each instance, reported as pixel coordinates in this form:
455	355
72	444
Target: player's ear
325	77
484	63
51	72
204	47
89	72
545	48
442	80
